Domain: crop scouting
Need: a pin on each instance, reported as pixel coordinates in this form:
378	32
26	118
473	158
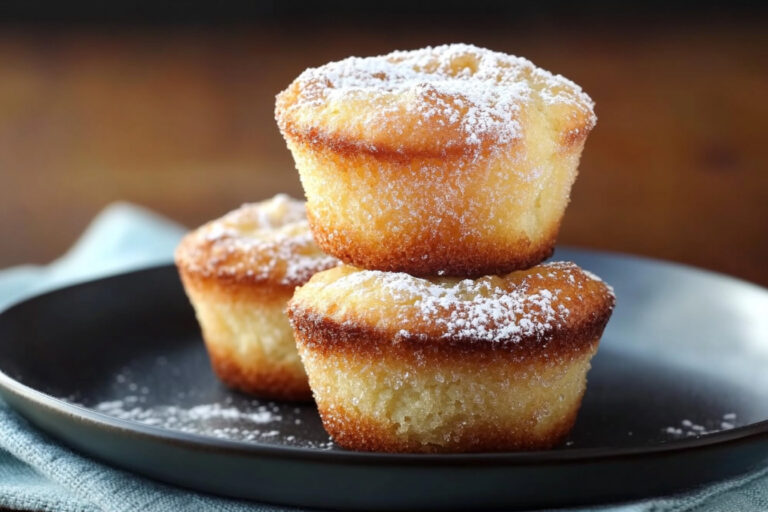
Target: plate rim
201	442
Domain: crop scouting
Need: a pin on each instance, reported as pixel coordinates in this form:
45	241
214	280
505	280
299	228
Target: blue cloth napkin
38	474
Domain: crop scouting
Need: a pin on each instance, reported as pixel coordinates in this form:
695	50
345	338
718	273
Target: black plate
677	397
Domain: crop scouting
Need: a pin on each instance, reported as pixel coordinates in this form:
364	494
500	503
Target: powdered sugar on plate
257	422
688	428
178	392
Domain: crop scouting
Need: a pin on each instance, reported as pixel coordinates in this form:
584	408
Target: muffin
239	272
403	364
453	160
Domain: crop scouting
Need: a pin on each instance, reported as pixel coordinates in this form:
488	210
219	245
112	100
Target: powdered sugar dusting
597	278
267	240
479	91
489	309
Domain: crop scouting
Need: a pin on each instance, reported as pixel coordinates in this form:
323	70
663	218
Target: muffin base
472	259
452	215
248	337
440	397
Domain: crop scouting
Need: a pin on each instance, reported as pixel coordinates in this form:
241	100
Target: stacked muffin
438	177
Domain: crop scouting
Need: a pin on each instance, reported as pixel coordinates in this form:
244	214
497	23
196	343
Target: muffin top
523	307
266	242
454	99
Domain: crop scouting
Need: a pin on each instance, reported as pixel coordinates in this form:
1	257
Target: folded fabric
36	473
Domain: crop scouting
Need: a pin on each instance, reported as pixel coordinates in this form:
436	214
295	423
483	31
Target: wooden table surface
181	120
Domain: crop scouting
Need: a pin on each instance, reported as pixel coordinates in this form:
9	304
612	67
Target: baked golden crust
527	313
351	430
440	102
432	399
444	161
247	335
277	382
475	256
267	244
403	364
239	273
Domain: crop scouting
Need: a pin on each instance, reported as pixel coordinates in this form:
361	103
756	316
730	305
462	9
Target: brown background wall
179	119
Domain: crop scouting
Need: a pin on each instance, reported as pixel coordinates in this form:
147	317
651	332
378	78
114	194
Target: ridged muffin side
239	272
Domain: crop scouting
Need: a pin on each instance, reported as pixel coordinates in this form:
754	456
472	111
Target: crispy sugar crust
363	434
446	101
472	258
534	313
452	160
265	244
402	364
267	381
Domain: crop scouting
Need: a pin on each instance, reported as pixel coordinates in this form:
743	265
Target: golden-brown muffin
453	160
403	364
239	272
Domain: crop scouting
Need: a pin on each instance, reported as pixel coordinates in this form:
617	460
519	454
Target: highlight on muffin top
267	241
529	304
442	98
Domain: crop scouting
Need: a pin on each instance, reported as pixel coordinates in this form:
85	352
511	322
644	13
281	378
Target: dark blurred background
170	105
